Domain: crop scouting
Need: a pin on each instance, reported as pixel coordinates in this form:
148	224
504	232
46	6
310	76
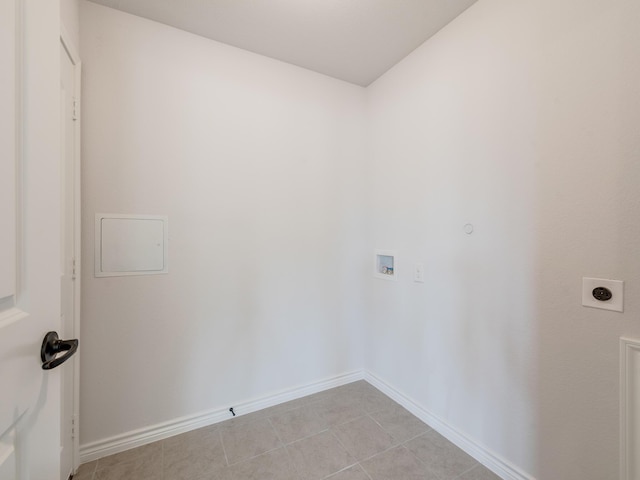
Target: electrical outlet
602	293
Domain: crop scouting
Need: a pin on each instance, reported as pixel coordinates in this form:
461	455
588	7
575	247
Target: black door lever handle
51	346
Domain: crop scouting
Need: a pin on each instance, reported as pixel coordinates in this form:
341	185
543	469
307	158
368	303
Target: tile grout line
467	471
342	444
377	423
416	436
224	450
282	444
307	436
379	453
428	467
339	471
346	450
385	431
395	445
291	462
95	469
365	471
400	444
271	450
422	463
365	414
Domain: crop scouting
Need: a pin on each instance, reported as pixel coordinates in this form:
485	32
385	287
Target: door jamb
72	51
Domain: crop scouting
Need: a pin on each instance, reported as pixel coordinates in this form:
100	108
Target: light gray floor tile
440	455
86	469
242	419
479	473
194	455
363	437
275	465
348	393
345	395
325	435
352	473
318	456
400	423
299	423
373	400
316	397
368	398
83	476
339	409
266	412
248	440
353	388
285	407
151	450
396	464
142	468
204	434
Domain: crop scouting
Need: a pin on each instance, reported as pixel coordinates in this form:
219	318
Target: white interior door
29	237
69	242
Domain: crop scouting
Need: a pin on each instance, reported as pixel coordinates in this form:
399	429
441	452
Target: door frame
72	51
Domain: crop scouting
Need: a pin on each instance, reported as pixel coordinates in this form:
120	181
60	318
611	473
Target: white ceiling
353	40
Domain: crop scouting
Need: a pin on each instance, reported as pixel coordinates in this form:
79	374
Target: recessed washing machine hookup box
386	264
131	245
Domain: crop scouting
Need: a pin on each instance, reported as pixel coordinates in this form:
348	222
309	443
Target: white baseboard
153	433
493	462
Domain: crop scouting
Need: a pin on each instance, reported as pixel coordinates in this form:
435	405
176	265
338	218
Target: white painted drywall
70	19
258	166
520	118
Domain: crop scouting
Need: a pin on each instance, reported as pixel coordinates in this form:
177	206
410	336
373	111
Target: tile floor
353	432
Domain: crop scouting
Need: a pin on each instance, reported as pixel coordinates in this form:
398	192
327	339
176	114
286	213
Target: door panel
29	237
8	46
8	467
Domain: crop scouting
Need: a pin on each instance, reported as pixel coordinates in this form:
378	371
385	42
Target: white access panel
131	245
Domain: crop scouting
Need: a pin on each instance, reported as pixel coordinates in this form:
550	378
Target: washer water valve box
386	264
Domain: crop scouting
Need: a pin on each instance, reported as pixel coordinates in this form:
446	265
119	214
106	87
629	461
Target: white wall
258	166
522	119
70	18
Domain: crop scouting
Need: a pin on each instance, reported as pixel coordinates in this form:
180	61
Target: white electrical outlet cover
616	303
